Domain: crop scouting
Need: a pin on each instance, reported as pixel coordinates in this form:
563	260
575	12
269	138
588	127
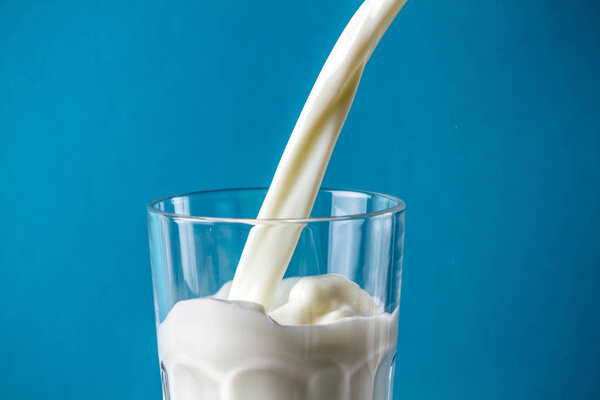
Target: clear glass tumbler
196	240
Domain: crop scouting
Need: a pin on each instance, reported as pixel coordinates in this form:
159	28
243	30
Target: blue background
483	115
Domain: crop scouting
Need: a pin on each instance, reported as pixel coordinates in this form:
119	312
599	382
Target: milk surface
214	349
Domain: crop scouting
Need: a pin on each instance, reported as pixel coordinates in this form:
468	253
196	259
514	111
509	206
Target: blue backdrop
482	115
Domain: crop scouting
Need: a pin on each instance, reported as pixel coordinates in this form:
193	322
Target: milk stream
294	188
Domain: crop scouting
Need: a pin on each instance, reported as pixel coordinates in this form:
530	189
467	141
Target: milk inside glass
247	355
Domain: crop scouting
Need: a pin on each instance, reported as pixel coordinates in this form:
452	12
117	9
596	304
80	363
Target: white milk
296	182
331	341
217	350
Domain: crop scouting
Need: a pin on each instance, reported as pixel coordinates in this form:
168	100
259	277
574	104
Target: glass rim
397	208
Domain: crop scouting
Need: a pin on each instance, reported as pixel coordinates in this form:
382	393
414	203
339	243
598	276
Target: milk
310	338
218	350
294	188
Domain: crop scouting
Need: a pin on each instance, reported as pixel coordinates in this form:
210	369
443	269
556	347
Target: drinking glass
196	240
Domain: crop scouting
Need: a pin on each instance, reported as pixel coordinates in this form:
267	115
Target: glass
196	240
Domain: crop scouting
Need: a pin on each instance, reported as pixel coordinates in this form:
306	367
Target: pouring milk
301	169
311	338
